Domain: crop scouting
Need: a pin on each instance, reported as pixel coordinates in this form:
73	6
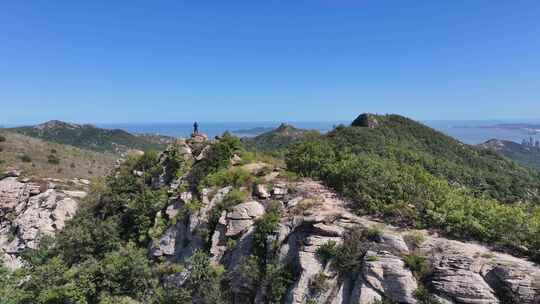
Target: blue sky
171	61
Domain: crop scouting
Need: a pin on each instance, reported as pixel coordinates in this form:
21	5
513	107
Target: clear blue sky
150	61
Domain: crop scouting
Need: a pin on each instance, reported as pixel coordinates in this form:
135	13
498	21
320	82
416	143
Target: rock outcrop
29	211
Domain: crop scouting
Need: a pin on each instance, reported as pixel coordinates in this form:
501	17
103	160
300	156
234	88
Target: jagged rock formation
312	216
27	212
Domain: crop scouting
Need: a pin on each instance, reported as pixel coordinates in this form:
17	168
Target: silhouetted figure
195	128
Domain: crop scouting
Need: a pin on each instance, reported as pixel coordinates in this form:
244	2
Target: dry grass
36	158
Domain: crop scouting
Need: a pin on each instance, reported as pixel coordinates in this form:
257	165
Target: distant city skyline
319	60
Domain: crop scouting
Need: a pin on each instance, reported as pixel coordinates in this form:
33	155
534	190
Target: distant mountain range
251	132
89	137
514	126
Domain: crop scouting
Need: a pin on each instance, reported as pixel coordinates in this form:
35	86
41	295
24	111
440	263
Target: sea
467	131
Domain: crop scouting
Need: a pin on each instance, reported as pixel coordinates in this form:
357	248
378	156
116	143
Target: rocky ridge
29	210
313	216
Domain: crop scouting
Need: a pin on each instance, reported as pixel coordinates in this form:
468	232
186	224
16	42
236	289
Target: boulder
261	191
279	190
236	160
243	216
75	194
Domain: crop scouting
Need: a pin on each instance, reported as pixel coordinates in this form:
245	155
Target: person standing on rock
195	128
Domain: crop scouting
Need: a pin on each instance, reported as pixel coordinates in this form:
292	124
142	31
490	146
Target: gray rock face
26	215
516	281
388	275
456	277
185	237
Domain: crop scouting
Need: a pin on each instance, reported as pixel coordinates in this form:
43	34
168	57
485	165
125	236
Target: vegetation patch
414	239
414	176
319	283
418	264
327	251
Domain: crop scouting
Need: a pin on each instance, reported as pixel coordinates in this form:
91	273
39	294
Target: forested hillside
277	141
89	137
412	175
525	155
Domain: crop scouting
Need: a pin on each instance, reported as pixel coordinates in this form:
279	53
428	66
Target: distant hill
44	159
279	139
394	142
523	154
251	132
90	137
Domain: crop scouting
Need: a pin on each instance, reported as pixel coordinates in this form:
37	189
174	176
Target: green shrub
374	232
231	244
415	239
236	177
264	171
423	296
2	138
327	251
277	279
249	272
385	300
319	283
234	197
25	158
267	225
372	258
204	279
53	159
349	254
418	265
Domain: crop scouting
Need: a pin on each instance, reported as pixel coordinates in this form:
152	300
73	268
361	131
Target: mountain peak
57	124
366	120
284	127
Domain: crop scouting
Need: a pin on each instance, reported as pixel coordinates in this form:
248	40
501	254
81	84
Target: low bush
53	159
415	239
372	258
277	279
319	283
267	225
423	296
418	265
25	158
236	177
327	251
349	254
233	198
374	232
